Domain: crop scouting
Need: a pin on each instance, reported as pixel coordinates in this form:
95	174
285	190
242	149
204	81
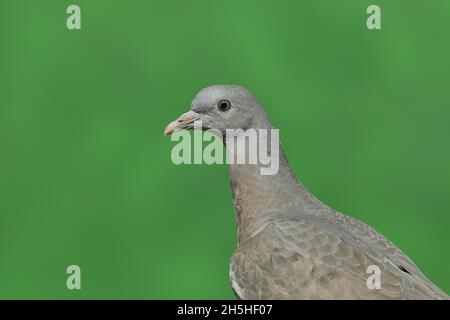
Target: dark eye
224	105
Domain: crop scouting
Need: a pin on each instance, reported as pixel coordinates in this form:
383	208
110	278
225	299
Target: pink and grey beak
185	121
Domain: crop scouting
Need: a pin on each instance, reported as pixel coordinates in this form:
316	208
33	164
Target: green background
86	176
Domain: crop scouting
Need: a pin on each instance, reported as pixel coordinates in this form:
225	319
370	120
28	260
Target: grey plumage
290	244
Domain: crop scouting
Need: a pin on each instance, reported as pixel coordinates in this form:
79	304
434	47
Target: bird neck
259	197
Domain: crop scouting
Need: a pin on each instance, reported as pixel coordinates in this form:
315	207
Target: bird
290	245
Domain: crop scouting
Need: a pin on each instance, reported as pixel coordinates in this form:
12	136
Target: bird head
220	107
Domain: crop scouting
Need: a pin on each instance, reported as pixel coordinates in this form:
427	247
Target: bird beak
185	121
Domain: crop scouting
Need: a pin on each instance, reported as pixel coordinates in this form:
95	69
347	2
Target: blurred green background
86	176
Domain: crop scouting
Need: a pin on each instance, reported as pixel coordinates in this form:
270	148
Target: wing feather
318	258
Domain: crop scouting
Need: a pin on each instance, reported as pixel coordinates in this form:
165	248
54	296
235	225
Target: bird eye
224	105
